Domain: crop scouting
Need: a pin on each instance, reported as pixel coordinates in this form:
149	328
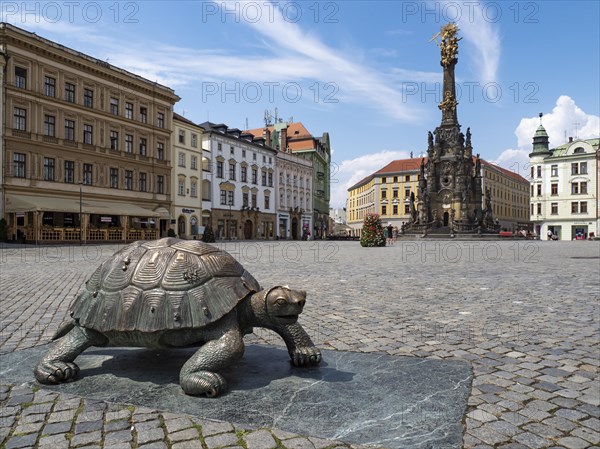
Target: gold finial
449	42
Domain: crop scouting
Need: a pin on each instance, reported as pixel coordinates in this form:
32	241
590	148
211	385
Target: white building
186	206
564	186
294	200
239	173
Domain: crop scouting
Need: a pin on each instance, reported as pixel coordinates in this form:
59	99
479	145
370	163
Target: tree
372	233
208	236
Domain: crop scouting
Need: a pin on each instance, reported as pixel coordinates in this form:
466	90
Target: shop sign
188	211
105	219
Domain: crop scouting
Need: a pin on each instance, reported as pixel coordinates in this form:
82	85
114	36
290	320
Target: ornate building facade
239	173
564	186
86	152
186	178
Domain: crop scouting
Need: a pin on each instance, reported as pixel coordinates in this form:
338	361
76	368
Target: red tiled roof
407	165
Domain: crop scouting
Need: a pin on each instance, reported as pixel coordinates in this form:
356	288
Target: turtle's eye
280	301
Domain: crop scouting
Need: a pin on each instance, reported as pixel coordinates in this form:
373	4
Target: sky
366	72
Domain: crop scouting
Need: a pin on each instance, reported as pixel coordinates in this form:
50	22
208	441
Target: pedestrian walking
390	234
394	234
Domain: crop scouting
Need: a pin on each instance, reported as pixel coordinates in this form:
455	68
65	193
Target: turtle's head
283	305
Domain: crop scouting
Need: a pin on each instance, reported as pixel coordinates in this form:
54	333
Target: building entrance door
248	230
446	218
294	229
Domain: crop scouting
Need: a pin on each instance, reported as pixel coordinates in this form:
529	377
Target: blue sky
364	71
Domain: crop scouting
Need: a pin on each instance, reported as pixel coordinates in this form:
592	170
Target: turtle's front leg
300	347
199	375
57	365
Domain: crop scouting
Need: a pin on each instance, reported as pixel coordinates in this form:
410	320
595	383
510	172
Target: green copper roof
541	132
540	142
562	150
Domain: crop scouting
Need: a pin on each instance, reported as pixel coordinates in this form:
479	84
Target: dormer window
579	150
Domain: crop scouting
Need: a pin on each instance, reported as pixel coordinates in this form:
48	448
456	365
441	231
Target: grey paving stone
213	427
174	425
298	443
261	439
532	441
573	443
223	439
150	435
55	428
86	438
182	435
113	426
22	441
120	436
58	441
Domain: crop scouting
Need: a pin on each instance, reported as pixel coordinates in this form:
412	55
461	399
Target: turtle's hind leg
57	365
199	374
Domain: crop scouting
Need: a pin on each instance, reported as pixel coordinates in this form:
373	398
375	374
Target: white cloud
485	37
565	116
347	173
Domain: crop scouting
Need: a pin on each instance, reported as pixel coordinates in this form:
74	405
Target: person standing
390	233
394	234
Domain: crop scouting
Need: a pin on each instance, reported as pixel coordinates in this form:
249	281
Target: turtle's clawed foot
55	372
203	383
307	355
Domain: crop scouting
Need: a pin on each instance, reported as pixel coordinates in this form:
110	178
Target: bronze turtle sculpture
177	293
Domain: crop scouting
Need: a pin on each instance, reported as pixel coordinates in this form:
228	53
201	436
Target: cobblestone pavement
526	315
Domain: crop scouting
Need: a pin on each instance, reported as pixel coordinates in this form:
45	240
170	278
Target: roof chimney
570	140
267	136
283	137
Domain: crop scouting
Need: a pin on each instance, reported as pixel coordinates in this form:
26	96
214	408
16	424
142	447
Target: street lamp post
230	219
80	214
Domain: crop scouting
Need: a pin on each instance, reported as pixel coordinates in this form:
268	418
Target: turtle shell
152	286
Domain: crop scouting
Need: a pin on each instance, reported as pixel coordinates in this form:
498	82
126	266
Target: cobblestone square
524	314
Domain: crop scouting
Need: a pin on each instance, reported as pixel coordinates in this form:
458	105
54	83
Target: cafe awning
163	213
28	203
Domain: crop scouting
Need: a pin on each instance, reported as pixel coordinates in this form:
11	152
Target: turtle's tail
63	330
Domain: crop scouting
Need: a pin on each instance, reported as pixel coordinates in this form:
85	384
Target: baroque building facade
86	145
186	178
294	138
564	188
239	173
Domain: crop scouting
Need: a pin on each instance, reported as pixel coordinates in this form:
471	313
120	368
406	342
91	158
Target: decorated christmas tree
208	236
372	231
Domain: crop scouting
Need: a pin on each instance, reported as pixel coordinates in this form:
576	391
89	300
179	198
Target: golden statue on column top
449	43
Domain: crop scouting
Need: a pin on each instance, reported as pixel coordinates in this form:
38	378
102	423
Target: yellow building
86	145
388	190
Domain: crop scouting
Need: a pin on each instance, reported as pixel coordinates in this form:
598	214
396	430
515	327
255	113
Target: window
407	178
578	150
70	92
49	86
129	143
19	165
532	189
245	199
129	111
267	205
231	150
88	98
264	178
194	141
114	106
48	169
88	132
219	169
539	208
69	129
181	159
539	171
143	114
114	140
583	188
539	190
160	120
574	207
219	147
49	125
270	179
407	193
244	173
383	180
395	179
254	175
20	119
160	151
129	179
554	189
230	198
583	207
160	184
182	136
143	187
383	194
20	77
554	170
384	210
253	156
70	172
223	197
114	178
194	189
554	208
574	188
143	146
232	171
193	162
87	174
243	153
583	168
254	200
395	209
